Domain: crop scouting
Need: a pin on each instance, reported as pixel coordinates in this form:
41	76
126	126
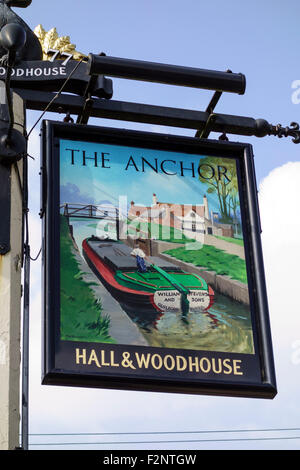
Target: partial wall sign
51	76
153	269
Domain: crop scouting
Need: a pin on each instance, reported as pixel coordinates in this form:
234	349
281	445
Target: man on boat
140	256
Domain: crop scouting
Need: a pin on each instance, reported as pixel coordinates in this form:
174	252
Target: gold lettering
214	366
171	365
103	359
127	362
93	358
142	360
112	359
202	365
183	364
236	367
228	366
80	356
160	361
169	362
193	363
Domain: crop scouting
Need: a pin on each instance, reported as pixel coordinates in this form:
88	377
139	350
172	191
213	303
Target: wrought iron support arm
292	131
150	114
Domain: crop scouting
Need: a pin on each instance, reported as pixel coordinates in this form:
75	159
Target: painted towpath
121	328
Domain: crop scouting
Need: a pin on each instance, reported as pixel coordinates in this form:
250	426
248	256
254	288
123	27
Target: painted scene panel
152	249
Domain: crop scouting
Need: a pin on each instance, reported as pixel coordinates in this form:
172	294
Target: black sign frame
112	365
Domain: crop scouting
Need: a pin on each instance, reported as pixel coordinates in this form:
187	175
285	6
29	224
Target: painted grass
81	314
213	259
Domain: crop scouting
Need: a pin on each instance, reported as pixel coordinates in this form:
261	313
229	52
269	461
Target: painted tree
220	176
234	201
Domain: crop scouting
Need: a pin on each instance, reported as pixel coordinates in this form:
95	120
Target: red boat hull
138	299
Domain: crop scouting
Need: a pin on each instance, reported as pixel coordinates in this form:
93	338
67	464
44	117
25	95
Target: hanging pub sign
153	269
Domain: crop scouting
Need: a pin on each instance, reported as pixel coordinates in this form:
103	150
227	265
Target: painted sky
120	171
261	40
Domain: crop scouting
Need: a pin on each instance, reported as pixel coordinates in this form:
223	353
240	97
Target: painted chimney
154	199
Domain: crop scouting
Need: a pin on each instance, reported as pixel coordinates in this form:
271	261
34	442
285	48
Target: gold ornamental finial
51	43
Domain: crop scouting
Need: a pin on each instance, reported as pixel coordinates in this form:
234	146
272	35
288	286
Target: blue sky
261	40
258	39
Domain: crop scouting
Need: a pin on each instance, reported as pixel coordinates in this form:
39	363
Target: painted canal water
226	326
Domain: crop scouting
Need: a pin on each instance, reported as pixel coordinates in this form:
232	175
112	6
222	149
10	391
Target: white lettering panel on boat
170	300
199	299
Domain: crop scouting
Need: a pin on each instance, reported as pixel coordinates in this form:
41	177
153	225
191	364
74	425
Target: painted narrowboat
164	287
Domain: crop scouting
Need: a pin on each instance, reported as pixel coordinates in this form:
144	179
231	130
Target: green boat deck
152	281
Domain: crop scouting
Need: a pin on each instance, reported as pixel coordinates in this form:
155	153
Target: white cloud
279	205
279	197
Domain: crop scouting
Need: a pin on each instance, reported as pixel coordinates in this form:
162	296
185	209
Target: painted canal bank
223	284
